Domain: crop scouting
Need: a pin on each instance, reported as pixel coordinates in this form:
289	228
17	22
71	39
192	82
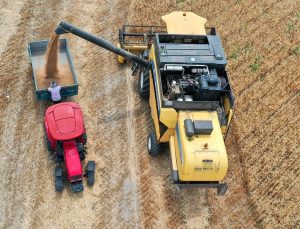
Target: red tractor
66	138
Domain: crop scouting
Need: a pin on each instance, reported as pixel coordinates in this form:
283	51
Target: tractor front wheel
59	179
82	155
153	145
90	173
144	83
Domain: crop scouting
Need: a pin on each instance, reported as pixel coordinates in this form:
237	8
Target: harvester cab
190	98
66	137
184	77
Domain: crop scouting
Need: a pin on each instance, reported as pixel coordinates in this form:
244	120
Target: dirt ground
132	190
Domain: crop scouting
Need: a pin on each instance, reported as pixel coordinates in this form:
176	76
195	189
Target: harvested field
132	190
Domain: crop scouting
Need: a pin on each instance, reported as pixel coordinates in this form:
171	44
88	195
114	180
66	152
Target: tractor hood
202	154
72	161
64	121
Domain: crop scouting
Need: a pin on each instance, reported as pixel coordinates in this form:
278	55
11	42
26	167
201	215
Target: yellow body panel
172	152
152	58
131	48
166	136
152	97
135	49
229	113
168	116
223	130
185	23
152	102
230	116
227	106
121	59
195	162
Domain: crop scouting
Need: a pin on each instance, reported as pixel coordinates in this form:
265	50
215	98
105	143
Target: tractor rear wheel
144	83
90	173
49	147
84	137
59	179
153	145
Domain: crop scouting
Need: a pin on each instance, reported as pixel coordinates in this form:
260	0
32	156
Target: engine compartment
191	83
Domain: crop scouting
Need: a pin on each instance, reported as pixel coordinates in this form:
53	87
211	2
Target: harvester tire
59	179
90	173
144	83
153	145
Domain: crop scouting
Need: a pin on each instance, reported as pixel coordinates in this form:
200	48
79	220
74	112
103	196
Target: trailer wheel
153	145
144	83
59	179
90	173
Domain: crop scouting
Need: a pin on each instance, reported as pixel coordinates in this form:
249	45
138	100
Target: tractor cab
64	122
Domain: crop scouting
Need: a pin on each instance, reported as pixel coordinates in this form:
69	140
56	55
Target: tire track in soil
9	18
268	106
149	206
132	143
151	174
20	187
288	123
280	112
226	211
273	16
151	193
116	204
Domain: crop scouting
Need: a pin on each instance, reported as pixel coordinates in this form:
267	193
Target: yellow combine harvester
190	97
183	75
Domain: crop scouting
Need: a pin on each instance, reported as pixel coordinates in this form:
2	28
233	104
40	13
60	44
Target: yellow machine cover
201	157
185	23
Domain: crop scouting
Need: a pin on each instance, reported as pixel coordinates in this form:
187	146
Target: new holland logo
203	168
